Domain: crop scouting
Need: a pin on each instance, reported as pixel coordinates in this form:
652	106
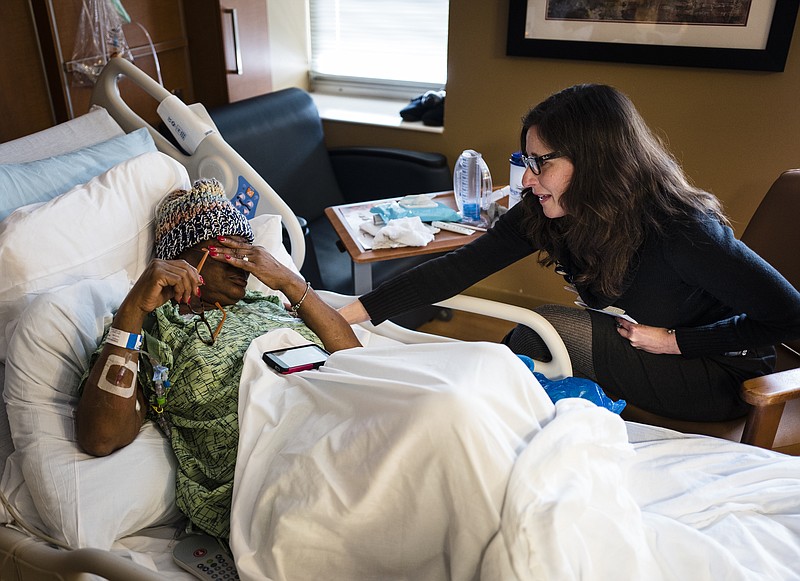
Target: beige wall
734	131
288	44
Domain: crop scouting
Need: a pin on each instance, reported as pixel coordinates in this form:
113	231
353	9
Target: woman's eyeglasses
534	162
202	326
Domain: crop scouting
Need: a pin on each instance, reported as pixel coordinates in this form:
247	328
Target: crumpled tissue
403	232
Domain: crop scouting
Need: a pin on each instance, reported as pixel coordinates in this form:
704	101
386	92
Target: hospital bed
588	495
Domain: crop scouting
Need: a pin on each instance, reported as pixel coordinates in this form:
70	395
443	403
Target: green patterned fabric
201	403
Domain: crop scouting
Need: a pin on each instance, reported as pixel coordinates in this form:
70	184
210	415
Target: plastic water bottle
517	169
472	184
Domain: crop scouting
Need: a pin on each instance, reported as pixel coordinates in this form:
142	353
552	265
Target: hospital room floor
469	327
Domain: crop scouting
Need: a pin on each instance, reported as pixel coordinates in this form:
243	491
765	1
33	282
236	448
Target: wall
37	93
734	131
288	43
26	108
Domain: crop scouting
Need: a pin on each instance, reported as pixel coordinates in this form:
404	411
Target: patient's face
224	283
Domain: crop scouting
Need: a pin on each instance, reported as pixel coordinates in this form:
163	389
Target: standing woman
609	207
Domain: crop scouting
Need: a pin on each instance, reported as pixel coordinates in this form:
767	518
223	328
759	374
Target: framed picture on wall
729	34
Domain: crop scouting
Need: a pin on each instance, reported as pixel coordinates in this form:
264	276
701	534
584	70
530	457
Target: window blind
379	43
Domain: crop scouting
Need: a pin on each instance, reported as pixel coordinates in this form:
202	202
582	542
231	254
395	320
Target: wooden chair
774	419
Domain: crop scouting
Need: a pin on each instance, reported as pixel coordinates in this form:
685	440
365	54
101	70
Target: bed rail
206	155
558	368
23	558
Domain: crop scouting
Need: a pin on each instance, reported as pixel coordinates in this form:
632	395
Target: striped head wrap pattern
187	217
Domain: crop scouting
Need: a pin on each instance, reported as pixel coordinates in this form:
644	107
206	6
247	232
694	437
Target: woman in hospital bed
424	461
440	427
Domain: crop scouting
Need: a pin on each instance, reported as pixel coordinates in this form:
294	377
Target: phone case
204	557
277	359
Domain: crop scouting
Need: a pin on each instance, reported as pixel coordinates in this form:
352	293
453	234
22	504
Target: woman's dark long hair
625	184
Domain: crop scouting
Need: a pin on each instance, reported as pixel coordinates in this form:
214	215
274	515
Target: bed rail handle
558	368
212	155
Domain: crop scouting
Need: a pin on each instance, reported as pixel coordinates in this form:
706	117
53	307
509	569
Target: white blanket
447	461
582	503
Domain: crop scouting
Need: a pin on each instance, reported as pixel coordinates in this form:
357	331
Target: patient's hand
161	281
257	261
321	318
651	339
354	312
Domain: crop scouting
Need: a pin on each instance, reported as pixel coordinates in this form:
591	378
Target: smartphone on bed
296	358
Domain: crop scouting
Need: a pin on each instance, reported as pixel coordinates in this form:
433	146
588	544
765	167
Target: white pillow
82	500
93	127
91	231
268	232
44	179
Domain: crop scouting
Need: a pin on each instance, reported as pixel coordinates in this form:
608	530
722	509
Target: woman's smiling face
553	180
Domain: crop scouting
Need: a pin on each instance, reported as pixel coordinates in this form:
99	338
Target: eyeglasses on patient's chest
201	326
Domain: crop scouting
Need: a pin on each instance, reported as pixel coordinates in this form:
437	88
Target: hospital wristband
124	339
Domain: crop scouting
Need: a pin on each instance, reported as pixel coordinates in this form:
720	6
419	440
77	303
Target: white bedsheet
582	503
379	466
388	463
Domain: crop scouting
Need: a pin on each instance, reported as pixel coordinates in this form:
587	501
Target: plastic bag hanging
99	38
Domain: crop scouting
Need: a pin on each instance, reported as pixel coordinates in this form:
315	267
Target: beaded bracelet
296	307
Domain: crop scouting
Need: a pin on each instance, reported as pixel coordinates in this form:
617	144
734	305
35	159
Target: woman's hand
354	312
257	261
321	318
651	339
161	281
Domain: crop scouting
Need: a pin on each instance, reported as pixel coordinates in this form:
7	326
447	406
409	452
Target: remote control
204	557
451	227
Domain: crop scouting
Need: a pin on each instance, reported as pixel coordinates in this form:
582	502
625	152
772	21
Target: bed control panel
204	557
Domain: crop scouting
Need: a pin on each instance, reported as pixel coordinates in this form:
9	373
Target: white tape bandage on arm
120	378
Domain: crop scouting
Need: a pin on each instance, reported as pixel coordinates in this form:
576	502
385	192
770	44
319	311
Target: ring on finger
245	259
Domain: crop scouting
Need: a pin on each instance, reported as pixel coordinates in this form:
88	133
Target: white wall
288	43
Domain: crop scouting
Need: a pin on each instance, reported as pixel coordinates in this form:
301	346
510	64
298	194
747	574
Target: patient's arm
321	318
108	421
108	416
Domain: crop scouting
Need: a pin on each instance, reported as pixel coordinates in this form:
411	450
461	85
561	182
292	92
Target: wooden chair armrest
772	389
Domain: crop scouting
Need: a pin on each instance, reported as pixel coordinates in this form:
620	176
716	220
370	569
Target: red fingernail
221	238
228	256
202	280
197	292
213	253
212	248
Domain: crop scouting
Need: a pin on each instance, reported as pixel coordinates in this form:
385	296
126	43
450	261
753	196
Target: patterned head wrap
185	218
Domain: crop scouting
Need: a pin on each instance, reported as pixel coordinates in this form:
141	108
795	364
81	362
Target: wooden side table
346	220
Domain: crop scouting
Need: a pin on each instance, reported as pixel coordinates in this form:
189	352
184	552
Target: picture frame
756	37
